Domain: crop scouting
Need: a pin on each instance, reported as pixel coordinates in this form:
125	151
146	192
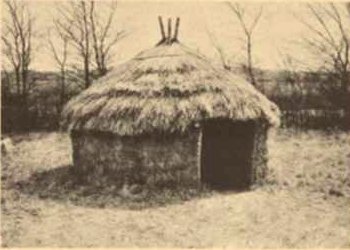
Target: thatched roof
166	88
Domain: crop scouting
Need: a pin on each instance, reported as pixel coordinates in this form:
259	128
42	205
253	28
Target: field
305	203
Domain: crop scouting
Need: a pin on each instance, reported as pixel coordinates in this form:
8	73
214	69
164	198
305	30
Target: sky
278	31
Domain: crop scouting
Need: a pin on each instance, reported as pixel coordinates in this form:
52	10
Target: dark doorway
226	154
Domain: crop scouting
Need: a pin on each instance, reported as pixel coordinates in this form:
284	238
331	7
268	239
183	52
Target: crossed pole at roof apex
169	39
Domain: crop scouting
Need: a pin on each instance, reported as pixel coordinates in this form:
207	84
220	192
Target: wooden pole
169	30
176	29
161	27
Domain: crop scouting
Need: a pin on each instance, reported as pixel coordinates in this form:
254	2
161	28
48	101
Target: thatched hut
168	117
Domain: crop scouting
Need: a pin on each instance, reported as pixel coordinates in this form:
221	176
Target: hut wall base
259	155
154	161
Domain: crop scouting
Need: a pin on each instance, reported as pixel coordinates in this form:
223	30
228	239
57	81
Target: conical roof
167	88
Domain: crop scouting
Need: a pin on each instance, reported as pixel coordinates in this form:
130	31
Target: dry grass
305	204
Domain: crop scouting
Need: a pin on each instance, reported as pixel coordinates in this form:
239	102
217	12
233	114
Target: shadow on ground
61	184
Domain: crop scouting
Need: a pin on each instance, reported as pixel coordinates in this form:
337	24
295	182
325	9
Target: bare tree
222	56
17	37
90	32
248	31
5	84
103	39
60	55
329	42
73	23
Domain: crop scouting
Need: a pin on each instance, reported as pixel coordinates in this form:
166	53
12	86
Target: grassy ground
305	204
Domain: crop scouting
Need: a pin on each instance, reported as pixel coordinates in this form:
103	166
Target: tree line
328	42
82	39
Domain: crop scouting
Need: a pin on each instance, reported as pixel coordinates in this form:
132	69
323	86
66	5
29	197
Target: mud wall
157	160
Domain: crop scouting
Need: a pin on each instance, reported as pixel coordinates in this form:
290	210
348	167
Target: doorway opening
226	154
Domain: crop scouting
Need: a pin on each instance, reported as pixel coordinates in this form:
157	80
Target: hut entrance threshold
226	154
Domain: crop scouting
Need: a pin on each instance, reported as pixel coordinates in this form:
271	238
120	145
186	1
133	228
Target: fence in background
314	119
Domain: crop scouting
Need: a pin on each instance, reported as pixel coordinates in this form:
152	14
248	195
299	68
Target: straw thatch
168	88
